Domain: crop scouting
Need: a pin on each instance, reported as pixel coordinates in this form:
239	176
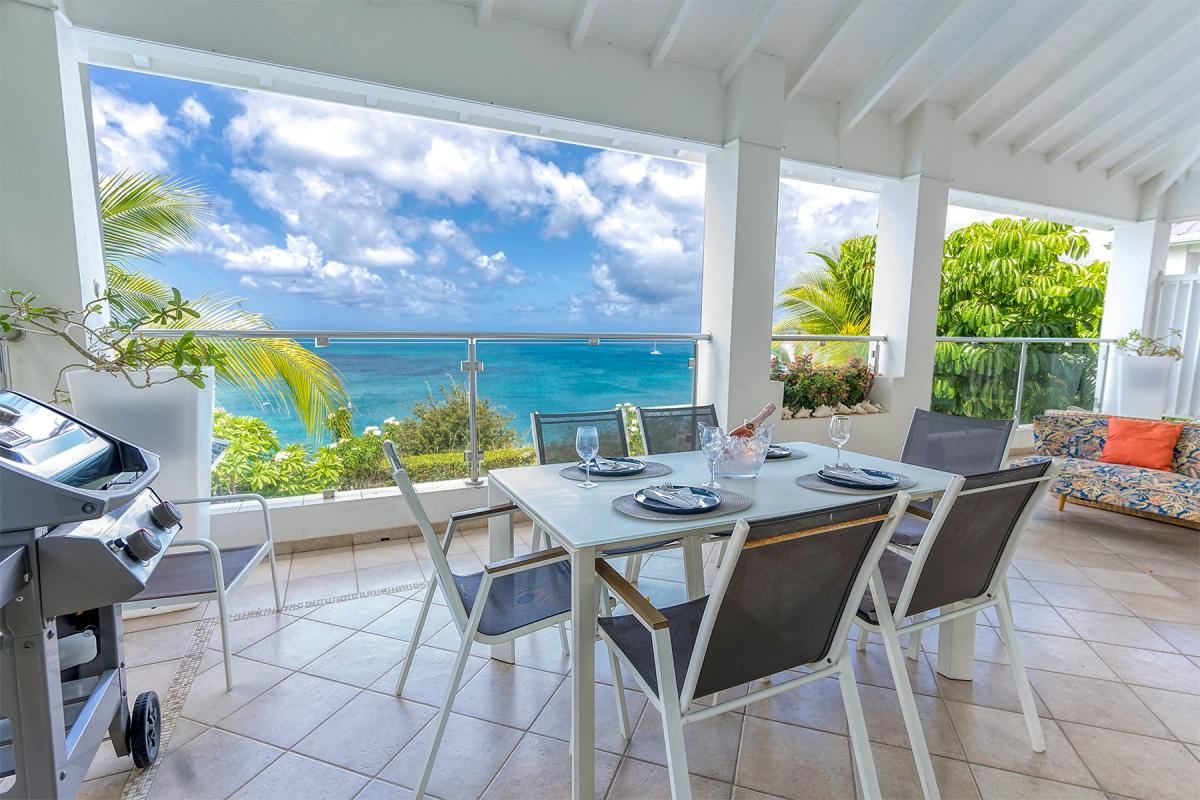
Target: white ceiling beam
870	92
984	90
825	45
1177	30
1147	129
1141	155
1074	65
670	32
1129	109
1180	166
483	13
953	59
583	21
758	29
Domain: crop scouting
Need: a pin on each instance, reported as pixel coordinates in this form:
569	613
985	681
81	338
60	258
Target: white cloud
130	135
195	113
814	216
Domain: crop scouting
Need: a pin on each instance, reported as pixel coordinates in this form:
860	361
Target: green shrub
809	385
451	466
440	425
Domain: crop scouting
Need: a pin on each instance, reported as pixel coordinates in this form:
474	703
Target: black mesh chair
959	567
508	600
784	599
554	434
674	429
962	445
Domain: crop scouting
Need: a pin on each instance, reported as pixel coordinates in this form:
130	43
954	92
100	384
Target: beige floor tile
1151	668
471	754
1184	638
360	660
262	573
297	644
213	765
1061	595
355	613
290	710
1137	766
1095	702
321	562
1036	619
712	744
742	793
376	553
108	787
1169	567
998	784
1022	591
871	668
1032	550
1123	581
245	632
385	576
1058	654
543	650
507	693
885	723
210	702
163	620
1052	573
639	780
813	705
185	731
318	587
387	722
428	676
154	677
158	644
294	776
993	686
999	739
1180	712
541	767
1188	587
898	775
1114	629
381	790
787	760
1167	609
1097	558
400	622
555	719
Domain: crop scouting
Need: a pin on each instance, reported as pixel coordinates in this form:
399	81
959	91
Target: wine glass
839	433
712	443
587	445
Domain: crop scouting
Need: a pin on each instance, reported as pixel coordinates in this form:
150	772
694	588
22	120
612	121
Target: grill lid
42	442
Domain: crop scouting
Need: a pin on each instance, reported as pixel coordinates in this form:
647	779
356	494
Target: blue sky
326	215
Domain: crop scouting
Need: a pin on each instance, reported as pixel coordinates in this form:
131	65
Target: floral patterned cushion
1083	435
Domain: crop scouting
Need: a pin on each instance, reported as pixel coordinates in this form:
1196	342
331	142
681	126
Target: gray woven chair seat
894	569
191	572
520	598
635	642
910	530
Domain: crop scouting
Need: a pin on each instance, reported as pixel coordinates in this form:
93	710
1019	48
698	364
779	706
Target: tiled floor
1108	609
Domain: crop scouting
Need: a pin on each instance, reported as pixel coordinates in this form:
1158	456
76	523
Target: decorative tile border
137	785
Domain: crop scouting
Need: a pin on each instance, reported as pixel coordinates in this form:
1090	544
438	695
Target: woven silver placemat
731	502
813	481
653	470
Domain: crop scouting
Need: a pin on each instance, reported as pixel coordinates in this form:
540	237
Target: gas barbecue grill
80	532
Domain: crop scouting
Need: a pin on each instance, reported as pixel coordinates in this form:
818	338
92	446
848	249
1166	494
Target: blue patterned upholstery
1079	439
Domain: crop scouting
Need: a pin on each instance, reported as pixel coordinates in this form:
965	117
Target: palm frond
143	214
132	293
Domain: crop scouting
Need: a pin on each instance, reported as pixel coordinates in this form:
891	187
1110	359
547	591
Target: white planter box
873	434
173	420
1141	386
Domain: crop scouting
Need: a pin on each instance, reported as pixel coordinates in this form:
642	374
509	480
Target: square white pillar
1139	254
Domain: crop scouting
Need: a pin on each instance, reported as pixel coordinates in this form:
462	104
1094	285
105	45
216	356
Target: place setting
594	467
843	478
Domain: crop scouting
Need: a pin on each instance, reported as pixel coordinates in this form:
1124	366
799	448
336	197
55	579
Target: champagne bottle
747	429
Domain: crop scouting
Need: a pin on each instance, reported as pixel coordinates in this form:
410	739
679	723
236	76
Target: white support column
741	213
1139	254
49	226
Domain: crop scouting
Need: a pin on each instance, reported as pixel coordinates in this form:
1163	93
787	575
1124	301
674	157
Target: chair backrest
673	429
786	593
437	553
969	542
962	445
554	434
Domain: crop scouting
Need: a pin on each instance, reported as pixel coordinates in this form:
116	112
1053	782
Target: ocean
384	379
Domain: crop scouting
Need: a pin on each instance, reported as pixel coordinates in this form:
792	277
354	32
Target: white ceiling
1107	84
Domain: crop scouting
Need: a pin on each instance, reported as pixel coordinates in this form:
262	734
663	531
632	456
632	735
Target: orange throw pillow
1141	442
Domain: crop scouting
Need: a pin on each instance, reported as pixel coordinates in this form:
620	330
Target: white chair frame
222	592
892	626
680	708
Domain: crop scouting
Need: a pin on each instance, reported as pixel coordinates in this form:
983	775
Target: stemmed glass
587	445
839	434
712	443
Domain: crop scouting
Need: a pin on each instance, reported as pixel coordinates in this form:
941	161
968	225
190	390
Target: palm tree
142	215
835	300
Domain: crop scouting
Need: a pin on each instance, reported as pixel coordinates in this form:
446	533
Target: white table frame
550	501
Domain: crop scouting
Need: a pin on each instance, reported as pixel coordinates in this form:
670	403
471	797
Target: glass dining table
585	524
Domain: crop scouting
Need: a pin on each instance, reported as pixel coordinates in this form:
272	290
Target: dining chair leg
860	743
1033	723
721	552
914	639
672	716
416	636
226	652
619	687
563	640
904	692
863	633
633	567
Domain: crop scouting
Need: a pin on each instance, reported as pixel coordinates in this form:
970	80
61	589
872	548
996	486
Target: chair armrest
917	511
646	613
229	498
518	563
486	511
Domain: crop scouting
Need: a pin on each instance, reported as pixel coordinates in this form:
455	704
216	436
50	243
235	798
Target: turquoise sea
384	379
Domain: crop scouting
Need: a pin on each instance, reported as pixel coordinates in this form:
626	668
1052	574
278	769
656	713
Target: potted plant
1143	370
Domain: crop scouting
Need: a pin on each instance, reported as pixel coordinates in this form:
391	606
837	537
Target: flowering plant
808	385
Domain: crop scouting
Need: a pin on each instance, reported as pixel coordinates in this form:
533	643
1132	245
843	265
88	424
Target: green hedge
448	466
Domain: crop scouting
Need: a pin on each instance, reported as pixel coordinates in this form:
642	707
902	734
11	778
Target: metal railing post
1021	382
694	366
472	366
876	347
1101	375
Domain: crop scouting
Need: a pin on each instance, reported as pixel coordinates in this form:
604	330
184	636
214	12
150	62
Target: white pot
1141	389
173	420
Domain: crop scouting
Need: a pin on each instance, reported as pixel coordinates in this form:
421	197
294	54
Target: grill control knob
142	545
166	515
